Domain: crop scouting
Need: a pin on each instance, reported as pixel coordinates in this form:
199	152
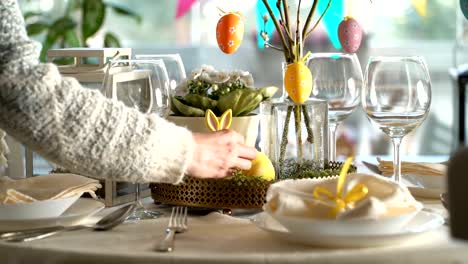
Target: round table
218	238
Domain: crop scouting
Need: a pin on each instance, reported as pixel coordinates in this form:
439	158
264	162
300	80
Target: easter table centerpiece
294	128
217	91
211	100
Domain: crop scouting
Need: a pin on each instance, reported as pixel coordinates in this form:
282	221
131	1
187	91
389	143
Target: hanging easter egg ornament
464	7
298	81
350	34
230	32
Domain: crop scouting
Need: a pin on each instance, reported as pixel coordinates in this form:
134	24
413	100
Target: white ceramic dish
421	192
36	210
78	211
420	224
351	227
417	190
427	181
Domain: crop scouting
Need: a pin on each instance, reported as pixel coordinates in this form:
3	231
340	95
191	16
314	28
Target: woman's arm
79	128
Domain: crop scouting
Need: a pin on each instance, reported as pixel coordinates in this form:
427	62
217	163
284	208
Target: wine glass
396	97
337	79
142	85
174	66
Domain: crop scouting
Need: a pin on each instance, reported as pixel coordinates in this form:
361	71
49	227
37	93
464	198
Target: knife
372	167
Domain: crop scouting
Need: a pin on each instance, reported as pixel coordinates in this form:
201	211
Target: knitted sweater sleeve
79	128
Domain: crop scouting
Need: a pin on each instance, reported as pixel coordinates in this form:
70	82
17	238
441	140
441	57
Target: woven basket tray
218	193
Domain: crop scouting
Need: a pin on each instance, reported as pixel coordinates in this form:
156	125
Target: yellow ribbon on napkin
358	192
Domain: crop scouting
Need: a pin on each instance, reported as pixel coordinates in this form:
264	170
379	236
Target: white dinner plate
36	210
422	189
81	209
421	192
420	224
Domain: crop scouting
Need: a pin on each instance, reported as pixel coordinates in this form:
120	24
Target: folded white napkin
417	168
45	187
384	199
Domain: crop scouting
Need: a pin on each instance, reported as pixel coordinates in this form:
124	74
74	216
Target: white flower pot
247	126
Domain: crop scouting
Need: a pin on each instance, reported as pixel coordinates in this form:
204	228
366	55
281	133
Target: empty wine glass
143	85
396	98
337	79
174	66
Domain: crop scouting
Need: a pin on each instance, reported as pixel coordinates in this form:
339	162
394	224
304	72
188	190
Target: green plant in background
218	91
81	20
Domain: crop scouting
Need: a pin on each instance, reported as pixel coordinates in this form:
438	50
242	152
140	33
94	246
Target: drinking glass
337	79
143	85
174	66
396	98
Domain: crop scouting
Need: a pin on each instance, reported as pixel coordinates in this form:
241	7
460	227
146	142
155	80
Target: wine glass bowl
142	85
174	66
337	78
396	97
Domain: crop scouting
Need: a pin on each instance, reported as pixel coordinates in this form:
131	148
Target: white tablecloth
217	238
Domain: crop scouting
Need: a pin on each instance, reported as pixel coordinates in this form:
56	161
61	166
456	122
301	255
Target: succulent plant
218	91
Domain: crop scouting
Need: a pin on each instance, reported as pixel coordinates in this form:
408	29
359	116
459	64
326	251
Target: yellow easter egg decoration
262	167
298	82
230	32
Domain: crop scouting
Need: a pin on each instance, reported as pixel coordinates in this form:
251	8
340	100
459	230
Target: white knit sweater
78	128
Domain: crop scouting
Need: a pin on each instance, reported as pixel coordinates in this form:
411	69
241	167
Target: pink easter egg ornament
350	34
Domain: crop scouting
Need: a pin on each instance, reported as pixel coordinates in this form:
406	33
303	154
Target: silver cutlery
372	167
106	223
177	224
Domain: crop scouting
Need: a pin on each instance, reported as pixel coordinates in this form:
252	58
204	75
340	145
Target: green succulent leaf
200	101
241	101
94	12
185	110
111	40
268	92
36	28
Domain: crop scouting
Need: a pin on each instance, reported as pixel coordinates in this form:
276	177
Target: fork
177	224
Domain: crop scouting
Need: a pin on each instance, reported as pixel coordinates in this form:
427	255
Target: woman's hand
217	154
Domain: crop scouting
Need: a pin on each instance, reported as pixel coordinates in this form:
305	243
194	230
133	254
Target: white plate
421	192
350	227
420	224
427	181
81	209
36	210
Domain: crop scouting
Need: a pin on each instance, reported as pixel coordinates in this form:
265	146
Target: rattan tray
219	193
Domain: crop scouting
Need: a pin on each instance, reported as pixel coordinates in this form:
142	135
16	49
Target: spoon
106	223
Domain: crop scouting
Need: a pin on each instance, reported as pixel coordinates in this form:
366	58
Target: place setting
349	210
46	201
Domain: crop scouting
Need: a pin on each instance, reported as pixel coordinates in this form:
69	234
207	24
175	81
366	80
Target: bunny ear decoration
211	121
225	120
214	124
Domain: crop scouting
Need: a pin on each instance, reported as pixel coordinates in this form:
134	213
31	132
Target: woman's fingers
246	152
242	164
218	154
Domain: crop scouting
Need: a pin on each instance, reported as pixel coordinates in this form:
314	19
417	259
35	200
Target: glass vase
295	137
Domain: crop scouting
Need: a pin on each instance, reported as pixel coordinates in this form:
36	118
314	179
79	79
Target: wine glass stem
396	159
137	196
332	140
